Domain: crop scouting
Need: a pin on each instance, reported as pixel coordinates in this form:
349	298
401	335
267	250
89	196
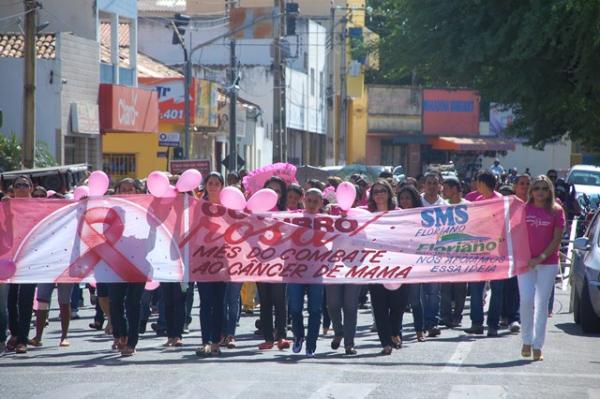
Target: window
119	166
312	82
321	85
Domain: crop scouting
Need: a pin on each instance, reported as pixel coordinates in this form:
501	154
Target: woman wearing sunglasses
20	296
388	305
545	224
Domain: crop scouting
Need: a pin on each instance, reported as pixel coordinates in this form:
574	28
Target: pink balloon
93	283
392	286
151	285
81	192
232	198
171	192
358	212
7	269
345	194
158	183
262	201
189	180
98	183
50	193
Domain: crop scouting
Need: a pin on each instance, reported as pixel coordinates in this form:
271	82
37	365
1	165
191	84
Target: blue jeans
76	296
416	305
173	300
510	307
315	303
212	307
495	310
125	306
3	311
232	307
432	296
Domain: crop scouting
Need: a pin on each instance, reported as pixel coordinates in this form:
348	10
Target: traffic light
180	22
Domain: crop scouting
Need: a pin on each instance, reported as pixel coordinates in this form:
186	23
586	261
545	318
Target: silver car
585	280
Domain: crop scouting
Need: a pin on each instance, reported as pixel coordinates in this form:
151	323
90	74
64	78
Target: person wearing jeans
212	309
432	295
476	291
3	315
545	226
343	298
315	302
232	313
174	298
125	307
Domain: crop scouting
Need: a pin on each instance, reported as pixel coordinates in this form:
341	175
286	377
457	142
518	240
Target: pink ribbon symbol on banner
101	247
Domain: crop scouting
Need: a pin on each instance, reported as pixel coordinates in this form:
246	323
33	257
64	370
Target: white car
586	179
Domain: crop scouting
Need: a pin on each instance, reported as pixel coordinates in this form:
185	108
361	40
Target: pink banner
141	238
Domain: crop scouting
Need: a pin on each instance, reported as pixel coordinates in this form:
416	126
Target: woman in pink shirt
545	224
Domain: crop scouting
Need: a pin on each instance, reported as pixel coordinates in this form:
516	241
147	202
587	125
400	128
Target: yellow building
133	154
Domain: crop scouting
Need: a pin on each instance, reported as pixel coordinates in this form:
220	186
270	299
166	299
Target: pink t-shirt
540	227
480	197
472	195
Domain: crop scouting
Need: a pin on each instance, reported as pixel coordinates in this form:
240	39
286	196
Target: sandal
387	350
231	342
35	341
215	350
397	342
526	351
127	351
203	351
21	348
177	342
64	343
11	344
420	336
169	342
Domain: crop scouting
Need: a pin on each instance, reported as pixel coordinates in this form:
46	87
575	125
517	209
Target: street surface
452	365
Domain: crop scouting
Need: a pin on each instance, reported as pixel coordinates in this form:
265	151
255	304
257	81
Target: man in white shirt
432	291
453	293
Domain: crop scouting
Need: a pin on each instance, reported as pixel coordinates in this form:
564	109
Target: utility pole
331	90
187	116
279	130
29	86
343	123
232	109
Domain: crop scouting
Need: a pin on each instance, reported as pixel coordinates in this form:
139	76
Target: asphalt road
452	365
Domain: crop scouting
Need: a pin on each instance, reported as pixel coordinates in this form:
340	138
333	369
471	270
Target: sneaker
526	351
475	329
297	346
186	328
310	354
503	322
492	332
514	327
537	355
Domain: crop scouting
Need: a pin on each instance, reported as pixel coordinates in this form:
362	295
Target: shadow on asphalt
573	329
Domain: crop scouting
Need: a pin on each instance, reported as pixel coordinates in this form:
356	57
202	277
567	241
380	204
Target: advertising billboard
128	109
450	112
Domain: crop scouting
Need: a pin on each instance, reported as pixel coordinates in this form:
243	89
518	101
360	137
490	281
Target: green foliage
542	57
10	154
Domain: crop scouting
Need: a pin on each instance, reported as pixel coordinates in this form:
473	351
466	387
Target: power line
16	15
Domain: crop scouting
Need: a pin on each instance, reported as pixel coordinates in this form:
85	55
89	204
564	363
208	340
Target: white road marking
594	393
458	357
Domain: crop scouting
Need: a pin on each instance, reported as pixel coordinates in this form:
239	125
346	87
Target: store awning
471	144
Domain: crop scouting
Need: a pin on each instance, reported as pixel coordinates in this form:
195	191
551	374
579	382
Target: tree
10	154
541	57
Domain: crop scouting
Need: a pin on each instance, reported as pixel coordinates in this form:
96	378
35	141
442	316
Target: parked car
585	280
58	178
586	179
371	172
